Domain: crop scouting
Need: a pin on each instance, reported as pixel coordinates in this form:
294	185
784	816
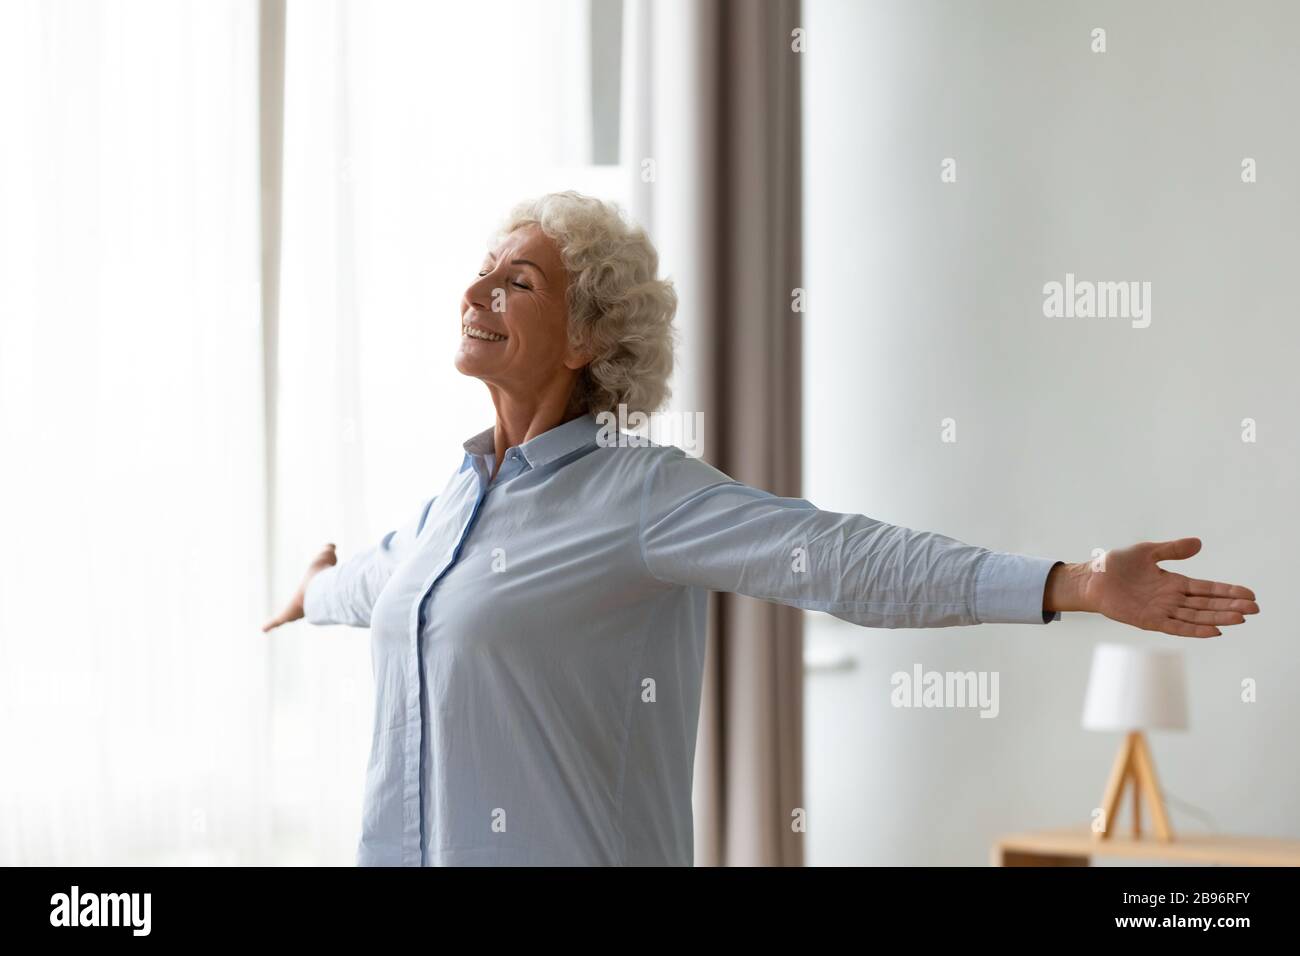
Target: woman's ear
575	360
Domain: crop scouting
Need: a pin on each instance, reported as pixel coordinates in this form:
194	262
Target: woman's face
514	319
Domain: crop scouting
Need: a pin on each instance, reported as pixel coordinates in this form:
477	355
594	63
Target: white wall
926	302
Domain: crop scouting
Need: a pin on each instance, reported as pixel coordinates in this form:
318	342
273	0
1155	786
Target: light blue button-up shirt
538	639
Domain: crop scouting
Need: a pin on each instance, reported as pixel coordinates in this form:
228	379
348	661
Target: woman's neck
519	420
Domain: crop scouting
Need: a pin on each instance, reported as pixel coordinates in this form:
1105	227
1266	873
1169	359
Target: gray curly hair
620	312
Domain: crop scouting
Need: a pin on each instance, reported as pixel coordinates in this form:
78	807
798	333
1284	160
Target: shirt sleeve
700	528
345	593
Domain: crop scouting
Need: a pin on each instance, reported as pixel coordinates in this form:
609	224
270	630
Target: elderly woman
538	627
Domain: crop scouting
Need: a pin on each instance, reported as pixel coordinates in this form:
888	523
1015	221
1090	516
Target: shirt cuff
315	604
1009	589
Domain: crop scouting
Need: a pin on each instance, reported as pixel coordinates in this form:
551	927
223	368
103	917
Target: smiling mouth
483	335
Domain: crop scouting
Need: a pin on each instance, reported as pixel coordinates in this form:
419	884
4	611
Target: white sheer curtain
133	679
409	133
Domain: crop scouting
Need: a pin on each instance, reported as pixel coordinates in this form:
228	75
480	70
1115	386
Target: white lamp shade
1133	688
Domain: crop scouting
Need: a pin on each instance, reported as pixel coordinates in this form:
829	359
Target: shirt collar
577	433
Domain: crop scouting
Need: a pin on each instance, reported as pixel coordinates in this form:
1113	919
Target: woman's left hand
1128	586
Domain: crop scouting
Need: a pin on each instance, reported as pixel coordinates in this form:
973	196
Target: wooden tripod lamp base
1134	766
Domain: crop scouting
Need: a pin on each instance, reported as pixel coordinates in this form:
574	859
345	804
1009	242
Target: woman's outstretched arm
700	528
345	593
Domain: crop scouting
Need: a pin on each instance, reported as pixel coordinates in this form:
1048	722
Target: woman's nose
479	293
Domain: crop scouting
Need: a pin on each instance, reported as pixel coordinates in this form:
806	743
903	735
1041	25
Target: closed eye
516	283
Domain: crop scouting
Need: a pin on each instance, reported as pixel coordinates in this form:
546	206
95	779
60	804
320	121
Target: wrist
1065	589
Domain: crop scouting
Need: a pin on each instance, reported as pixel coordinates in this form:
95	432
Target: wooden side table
1076	846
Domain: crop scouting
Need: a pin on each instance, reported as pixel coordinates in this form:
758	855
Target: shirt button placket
413	811
413	855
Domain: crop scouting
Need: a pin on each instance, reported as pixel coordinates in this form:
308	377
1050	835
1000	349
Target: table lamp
1135	689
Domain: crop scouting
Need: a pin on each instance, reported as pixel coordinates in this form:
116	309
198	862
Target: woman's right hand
293	611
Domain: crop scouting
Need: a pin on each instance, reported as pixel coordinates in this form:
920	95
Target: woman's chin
467	363
476	358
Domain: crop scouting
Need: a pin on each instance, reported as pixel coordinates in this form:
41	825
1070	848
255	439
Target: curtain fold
714	135
270	151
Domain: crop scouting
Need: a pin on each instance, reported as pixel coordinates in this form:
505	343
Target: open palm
1132	589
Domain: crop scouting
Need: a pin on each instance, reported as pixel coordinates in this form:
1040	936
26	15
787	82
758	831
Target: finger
1184	629
1218	589
284	617
1208	617
1176	550
1222	604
